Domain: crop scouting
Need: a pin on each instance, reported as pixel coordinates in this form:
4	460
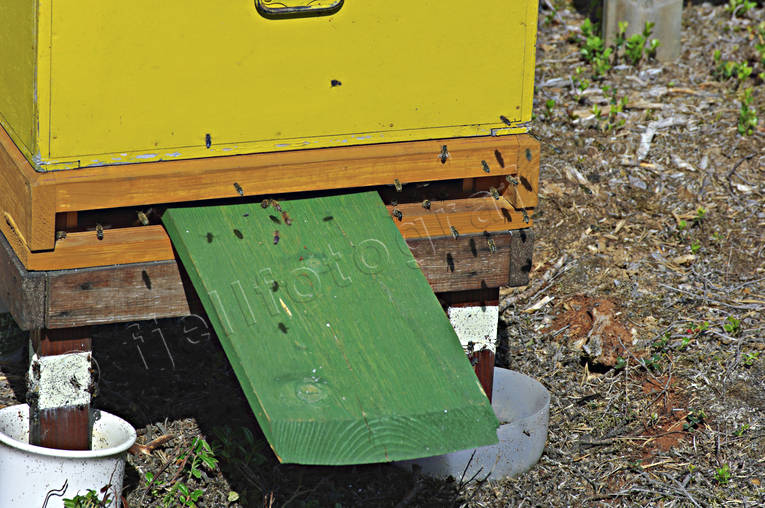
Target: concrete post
666	14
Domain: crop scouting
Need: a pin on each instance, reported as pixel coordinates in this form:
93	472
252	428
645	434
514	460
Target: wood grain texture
115	294
32	199
118	246
339	343
26	206
525	193
65	428
47	342
151	243
471	215
118	293
468	263
295	171
23	291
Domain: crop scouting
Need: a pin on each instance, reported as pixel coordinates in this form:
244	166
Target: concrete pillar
667	14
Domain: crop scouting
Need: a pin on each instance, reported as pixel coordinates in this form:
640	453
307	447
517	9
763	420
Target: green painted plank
340	346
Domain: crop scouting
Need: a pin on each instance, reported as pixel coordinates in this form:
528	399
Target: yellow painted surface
125	82
17	71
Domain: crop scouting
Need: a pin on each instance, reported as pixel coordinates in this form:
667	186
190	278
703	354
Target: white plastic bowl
522	406
37	476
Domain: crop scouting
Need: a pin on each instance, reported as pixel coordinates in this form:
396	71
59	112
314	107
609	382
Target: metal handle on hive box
297	8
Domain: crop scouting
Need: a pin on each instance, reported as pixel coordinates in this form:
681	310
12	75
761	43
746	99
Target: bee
276	237
511	180
99	231
485	166
492	246
274	219
142	218
60	235
426	204
265	203
287	219
275	287
505	120
276	205
397	184
328	218
455	233
444	154
238	234
74	382
209	237
494	192
525	215
397	214
146	279
239	189
208	140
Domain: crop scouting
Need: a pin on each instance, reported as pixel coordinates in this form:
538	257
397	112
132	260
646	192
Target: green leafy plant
722	474
549	108
635	46
694	331
176	492
751	358
732	325
747	117
739	6
695	246
740	431
699	218
620	363
89	500
693	420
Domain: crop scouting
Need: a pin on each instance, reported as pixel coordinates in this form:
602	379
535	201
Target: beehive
99	82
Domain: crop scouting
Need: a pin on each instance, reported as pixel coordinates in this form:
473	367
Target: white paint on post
60	380
476	325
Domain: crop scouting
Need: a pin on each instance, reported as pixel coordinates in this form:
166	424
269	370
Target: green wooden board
340	346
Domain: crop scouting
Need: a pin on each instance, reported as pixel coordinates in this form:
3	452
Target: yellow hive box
98	82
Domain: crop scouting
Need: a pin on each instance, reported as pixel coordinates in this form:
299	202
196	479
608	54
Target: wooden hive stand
86	247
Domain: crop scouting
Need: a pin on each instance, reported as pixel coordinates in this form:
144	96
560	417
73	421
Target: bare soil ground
650	334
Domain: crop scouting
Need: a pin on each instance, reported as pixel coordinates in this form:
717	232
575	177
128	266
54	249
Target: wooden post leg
59	387
475	316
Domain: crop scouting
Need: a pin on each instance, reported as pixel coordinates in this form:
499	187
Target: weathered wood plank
337	339
118	293
466	216
150	243
115	294
468	263
22	291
